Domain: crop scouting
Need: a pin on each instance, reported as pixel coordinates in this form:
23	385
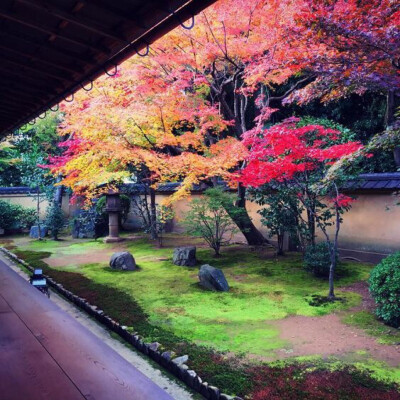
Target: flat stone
154	346
168	355
180	360
214	392
185	256
213	278
34	232
123	260
224	396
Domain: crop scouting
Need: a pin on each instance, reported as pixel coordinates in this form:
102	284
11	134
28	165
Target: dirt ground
329	336
100	256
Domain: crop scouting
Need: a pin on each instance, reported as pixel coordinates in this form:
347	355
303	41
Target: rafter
13	108
48	46
52	47
9	116
125	16
14	76
21	64
13	16
15	90
17	102
75	19
41	60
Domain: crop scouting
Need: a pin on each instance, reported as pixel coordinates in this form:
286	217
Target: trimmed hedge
384	285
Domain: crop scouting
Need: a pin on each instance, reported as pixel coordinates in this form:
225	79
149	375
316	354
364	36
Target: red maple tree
299	157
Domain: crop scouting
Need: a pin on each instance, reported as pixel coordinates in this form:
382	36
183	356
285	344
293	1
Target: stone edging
167	359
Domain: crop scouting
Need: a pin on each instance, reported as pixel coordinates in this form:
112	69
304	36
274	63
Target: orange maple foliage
180	112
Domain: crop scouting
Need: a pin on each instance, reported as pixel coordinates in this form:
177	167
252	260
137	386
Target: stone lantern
113	208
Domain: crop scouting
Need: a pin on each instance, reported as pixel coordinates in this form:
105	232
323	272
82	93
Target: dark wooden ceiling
49	48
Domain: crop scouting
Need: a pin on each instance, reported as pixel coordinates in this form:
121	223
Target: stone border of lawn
166	359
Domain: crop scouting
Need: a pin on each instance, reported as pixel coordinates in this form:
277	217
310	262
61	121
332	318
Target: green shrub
16	216
208	218
317	259
55	219
7	217
26	217
384	285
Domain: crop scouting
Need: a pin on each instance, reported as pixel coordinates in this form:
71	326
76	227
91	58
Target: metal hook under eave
33	122
187	27
57	108
44	115
90	88
115	72
69	101
146	53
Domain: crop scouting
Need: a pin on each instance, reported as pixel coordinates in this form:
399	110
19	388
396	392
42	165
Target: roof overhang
50	48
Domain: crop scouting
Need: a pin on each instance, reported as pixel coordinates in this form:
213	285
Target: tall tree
181	111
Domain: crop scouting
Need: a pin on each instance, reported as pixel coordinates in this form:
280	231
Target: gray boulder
123	260
34	232
185	256
213	278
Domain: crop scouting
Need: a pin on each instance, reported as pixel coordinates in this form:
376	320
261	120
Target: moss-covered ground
164	302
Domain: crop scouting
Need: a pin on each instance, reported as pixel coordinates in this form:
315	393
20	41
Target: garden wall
21	196
370	230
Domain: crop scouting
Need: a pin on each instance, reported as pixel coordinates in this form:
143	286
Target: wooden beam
13	16
28	83
48	46
9	95
9	81
9	116
75	19
17	102
116	12
41	59
41	71
20	92
12	110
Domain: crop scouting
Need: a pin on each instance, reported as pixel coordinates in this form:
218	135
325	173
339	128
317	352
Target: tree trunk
389	120
281	238
38	213
153	214
311	226
58	192
244	222
331	294
390	107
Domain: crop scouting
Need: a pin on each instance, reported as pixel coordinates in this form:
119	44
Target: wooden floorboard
44	350
26	370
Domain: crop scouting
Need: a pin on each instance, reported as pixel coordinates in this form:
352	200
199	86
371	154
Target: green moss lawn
164	302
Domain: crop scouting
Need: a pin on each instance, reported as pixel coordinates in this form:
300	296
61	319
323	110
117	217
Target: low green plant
317	259
16	216
26	217
208	218
384	285
6	215
55	219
